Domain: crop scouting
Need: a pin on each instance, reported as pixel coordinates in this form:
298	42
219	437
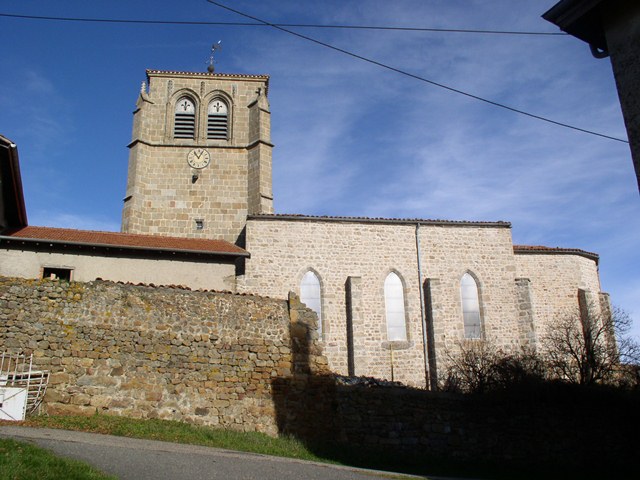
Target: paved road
133	459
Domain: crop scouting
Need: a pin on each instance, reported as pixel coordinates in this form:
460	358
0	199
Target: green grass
334	453
178	432
21	461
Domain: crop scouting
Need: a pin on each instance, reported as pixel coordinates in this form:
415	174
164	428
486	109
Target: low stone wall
155	352
556	428
254	364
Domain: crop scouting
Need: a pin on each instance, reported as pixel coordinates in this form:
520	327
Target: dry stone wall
198	356
254	364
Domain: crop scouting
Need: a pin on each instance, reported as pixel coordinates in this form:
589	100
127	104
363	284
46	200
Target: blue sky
351	138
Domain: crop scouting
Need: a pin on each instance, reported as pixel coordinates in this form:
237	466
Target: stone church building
394	297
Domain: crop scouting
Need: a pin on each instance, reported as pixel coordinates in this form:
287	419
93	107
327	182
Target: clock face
198	158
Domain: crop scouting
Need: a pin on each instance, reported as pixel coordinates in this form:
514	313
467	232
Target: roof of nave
399	221
90	238
539	249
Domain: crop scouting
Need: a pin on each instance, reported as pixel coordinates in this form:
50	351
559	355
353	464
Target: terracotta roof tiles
126	240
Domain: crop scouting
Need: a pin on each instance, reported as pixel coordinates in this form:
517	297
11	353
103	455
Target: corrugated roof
126	240
300	217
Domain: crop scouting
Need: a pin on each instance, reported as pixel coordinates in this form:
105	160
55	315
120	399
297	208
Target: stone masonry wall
520	295
282	250
554	283
251	363
162	197
203	357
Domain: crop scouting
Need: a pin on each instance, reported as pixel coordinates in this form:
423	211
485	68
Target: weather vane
214	47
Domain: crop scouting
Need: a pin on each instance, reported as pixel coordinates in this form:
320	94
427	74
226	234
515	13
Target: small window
311	295
199	224
470	307
185	119
218	120
394	307
56	273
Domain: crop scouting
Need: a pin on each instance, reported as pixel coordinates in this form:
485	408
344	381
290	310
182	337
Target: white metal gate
21	388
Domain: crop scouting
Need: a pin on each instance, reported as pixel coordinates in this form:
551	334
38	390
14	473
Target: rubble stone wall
254	364
153	352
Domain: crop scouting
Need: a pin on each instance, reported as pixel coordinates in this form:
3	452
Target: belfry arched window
218	120
311	295
184	125
470	307
394	308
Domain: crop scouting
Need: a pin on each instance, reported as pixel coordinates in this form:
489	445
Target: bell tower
200	155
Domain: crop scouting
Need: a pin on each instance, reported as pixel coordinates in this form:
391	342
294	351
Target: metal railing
16	371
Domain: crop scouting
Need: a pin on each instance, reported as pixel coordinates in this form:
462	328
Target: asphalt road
134	459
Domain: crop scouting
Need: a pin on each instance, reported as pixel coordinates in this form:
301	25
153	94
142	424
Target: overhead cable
417	77
257	24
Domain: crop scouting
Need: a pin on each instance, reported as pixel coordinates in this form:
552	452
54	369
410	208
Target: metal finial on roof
214	47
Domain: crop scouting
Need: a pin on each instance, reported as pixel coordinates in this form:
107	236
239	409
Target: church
394	297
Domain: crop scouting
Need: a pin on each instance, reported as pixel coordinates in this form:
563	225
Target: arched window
394	307
311	295
470	307
218	120
184	125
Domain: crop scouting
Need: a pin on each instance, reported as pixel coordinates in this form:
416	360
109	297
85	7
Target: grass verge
26	462
333	453
178	432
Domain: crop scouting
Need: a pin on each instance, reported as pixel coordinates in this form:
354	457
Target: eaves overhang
581	19
541	250
12	202
109	247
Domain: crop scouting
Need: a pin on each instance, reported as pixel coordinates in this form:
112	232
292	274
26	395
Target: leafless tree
478	366
470	366
590	348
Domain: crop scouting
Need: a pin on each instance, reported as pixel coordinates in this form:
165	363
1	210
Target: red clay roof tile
127	240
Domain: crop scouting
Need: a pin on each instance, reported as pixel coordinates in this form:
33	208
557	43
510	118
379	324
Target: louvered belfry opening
185	120
218	120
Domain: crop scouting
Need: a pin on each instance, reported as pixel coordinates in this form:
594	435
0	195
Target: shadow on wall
553	429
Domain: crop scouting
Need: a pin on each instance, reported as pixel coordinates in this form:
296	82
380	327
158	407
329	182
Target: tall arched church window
394	307
470	307
218	120
184	125
311	295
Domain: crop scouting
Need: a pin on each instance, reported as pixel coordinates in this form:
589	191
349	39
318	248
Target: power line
417	77
301	25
